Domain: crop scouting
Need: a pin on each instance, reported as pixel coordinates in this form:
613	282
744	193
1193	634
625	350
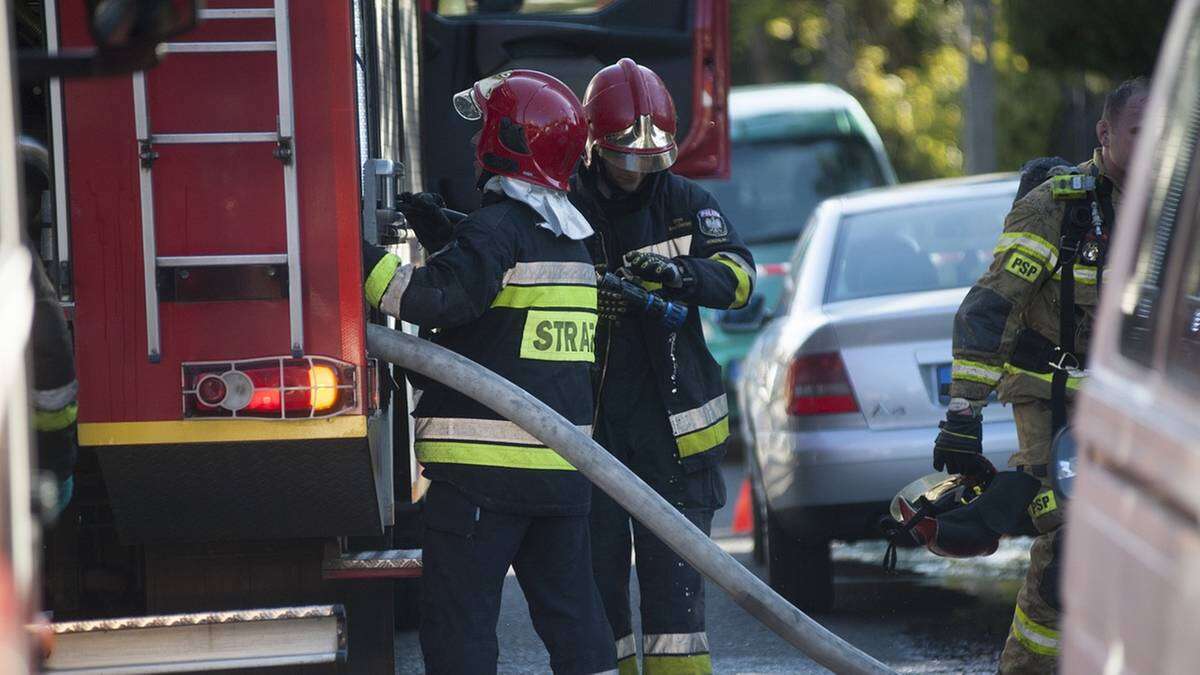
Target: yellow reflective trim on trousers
487	454
1033	636
524	297
741	294
975	371
705	439
379	278
1072	382
55	420
1042	504
695	664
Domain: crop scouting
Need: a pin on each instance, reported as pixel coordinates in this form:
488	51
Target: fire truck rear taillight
280	388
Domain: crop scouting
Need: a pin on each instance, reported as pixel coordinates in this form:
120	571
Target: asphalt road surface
933	616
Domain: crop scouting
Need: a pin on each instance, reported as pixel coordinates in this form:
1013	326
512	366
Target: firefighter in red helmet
500	498
661	402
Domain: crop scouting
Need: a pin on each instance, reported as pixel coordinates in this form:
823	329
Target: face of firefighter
622	179
1118	137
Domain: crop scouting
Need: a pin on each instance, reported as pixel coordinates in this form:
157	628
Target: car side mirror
1063	462
128	35
745	319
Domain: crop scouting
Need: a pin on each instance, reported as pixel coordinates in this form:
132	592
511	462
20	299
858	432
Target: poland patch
711	223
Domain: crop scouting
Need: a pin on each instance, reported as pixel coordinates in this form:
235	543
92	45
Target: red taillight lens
818	385
279	387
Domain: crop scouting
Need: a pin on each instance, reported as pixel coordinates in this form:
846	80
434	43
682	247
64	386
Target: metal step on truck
246	495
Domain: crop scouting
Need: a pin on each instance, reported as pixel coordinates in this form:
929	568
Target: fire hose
637	498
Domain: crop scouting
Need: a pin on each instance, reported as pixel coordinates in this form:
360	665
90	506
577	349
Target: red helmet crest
533	126
631	118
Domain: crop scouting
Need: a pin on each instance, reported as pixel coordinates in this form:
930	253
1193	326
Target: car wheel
802	572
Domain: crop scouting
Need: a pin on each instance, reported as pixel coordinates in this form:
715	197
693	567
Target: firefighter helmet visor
466	107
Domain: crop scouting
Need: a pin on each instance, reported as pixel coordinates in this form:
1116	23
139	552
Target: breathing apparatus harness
1086	226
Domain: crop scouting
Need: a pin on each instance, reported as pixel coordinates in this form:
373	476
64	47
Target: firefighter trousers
1032	645
467	553
674	640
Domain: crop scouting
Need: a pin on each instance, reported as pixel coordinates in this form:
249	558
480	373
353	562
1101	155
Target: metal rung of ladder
283	138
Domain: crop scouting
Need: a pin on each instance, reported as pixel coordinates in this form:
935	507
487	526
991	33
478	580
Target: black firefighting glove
654	267
959	445
427	218
611	304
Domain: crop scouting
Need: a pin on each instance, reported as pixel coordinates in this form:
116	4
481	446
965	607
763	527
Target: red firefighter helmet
631	118
533	126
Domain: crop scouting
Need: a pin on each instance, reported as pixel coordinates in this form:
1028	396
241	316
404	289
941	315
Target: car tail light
281	387
818	385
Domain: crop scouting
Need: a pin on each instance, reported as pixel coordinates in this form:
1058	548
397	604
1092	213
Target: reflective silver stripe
530	273
1084	274
56	399
1030	242
626	647
670	248
738	260
958	370
699	418
390	303
479	431
679	644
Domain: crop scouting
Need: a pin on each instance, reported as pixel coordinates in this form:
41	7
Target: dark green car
793	146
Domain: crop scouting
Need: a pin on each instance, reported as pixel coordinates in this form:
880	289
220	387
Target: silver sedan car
844	388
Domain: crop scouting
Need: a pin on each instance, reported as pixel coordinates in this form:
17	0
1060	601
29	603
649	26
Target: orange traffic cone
743	510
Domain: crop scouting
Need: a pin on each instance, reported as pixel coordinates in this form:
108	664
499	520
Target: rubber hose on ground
610	475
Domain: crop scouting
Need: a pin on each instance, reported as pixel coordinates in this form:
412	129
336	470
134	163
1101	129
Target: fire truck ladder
284	142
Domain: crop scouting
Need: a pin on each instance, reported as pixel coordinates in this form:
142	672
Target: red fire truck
245	487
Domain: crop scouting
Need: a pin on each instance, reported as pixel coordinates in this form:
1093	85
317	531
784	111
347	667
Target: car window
774	186
922	247
791	281
1177	150
461	7
1183	351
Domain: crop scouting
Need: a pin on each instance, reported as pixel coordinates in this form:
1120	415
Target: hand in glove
959	444
654	267
426	217
611	304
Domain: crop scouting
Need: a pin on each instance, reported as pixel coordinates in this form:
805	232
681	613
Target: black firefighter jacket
520	301
676	218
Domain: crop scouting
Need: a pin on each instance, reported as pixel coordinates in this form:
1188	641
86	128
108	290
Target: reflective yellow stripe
1031	244
650	285
1084	274
524	297
220	431
559	336
627	665
742	293
975	371
1033	636
55	420
487	454
705	439
696	664
1072	382
379	278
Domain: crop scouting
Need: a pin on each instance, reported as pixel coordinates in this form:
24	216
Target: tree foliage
907	62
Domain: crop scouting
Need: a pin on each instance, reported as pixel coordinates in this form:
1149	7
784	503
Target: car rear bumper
855	467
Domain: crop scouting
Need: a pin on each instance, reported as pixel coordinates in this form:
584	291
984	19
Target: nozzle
640	301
